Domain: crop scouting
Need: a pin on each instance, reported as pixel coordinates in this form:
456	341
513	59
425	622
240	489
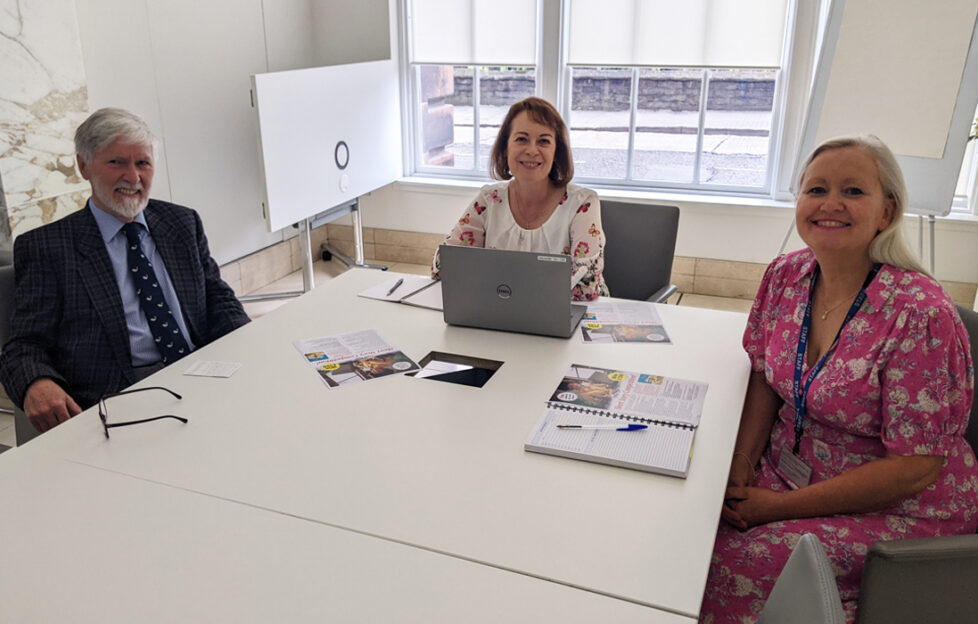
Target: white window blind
474	32
710	33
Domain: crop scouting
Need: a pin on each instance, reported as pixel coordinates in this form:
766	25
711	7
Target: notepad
414	290
670	407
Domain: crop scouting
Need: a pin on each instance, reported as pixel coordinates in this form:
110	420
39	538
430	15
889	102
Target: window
470	60
966	191
462	107
691	126
656	93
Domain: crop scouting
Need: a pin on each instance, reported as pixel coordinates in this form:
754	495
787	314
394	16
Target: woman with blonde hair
859	395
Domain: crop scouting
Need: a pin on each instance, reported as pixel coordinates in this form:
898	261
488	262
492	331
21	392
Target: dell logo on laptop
503	291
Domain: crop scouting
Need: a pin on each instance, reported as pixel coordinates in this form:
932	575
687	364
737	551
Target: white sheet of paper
436	367
204	368
409	284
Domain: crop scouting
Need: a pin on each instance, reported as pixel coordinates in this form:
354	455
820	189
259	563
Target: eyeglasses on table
104	414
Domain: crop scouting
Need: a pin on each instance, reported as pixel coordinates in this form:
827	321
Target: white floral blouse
574	229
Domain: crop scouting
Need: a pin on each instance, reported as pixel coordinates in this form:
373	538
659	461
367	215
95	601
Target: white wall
185	66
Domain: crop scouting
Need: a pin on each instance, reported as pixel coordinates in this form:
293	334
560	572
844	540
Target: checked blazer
68	323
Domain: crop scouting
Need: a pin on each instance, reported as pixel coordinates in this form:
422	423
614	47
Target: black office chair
638	254
930	579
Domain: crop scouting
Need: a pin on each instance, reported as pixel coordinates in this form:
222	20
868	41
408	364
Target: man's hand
47	404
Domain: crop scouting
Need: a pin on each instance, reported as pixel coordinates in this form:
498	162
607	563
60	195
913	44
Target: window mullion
632	123
550	53
476	88
704	97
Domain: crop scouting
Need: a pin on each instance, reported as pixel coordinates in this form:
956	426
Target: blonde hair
890	246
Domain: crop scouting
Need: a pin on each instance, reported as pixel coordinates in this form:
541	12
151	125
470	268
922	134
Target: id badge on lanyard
790	463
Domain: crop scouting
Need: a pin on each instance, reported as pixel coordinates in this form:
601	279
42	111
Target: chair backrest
6	294
970	320
806	590
641	243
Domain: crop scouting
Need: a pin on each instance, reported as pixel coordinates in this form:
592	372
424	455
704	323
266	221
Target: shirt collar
108	224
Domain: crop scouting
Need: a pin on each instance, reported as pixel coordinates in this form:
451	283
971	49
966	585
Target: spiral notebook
670	408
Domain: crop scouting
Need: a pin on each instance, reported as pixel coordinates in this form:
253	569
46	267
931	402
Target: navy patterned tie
162	324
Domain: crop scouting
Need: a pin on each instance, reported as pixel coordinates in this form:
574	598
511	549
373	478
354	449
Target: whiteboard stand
305	245
352	209
931	221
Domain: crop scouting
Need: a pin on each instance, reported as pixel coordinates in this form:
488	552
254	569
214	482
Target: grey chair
641	244
933	579
23	429
6	300
805	592
6	304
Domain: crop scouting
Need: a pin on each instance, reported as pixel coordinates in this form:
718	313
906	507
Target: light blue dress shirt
141	343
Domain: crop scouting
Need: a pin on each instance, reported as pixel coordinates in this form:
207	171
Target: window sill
742	204
453	186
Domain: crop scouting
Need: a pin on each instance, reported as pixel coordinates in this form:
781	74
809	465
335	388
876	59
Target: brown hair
542	112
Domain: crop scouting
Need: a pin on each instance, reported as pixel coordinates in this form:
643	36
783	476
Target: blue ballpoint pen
632	427
396	285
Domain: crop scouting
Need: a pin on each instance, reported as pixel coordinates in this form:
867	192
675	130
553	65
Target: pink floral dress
574	229
899	381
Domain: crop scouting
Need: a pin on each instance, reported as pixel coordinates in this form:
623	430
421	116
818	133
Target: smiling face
121	175
841	204
530	149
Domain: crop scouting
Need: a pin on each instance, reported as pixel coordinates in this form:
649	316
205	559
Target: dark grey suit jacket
68	323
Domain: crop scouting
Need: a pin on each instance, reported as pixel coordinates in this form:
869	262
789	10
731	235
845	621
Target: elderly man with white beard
114	292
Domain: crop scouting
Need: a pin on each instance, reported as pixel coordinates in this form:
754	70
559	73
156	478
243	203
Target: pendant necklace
849	298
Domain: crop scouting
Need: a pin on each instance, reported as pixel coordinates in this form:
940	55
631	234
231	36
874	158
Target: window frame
695	186
553	82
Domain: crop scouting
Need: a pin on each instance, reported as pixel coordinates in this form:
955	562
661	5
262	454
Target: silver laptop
517	291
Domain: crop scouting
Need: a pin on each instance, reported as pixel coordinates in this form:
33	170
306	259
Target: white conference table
437	466
87	545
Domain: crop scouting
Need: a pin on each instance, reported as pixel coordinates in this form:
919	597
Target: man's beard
128	207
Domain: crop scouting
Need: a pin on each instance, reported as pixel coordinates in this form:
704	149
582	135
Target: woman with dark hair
858	400
536	208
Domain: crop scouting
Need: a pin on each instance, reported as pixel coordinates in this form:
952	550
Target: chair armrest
926	548
662	294
931	579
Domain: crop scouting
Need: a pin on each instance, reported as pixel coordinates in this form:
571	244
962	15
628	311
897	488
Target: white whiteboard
303	115
906	71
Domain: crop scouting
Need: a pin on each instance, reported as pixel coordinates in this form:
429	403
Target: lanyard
801	391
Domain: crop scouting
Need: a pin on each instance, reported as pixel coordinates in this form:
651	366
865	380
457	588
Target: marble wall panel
25	217
43	98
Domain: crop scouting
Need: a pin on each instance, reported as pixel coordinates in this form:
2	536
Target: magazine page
636	395
354	357
623	321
